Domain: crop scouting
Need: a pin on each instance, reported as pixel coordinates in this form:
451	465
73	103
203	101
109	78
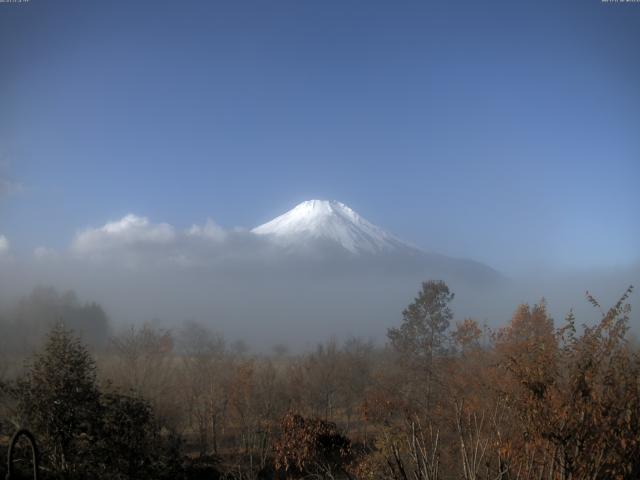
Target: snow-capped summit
324	229
330	221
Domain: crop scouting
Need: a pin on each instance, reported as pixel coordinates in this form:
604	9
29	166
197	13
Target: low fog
246	288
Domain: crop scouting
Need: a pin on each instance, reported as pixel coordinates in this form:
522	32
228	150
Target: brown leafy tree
312	448
576	397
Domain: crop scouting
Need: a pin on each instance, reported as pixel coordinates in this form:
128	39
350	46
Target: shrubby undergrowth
443	400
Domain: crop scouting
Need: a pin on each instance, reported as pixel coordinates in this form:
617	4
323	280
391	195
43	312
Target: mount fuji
330	222
330	231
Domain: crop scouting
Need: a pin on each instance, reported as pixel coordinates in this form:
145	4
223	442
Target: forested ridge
443	399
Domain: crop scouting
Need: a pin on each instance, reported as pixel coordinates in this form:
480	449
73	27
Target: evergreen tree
59	399
83	432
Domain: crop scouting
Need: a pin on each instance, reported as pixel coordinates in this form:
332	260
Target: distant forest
442	399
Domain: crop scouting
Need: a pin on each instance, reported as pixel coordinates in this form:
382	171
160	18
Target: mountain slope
330	221
337	239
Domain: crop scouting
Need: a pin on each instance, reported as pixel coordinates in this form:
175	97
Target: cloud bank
136	242
128	241
247	287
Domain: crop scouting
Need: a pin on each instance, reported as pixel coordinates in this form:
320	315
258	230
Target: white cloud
134	241
4	245
129	233
209	230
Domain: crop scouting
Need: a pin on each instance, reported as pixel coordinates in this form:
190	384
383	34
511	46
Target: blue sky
508	132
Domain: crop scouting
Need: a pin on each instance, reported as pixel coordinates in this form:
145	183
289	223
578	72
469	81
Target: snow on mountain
333	222
320	229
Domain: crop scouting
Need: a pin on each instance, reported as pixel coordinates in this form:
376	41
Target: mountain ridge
332	233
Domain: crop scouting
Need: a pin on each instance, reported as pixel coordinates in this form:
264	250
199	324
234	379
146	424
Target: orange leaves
311	446
578	392
467	334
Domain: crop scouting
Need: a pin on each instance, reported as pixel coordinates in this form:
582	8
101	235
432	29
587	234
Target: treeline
442	400
25	323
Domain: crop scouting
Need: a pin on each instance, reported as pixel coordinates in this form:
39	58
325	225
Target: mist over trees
443	399
295	304
25	321
83	430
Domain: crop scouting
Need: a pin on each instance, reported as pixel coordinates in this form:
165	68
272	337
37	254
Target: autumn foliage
444	399
311	447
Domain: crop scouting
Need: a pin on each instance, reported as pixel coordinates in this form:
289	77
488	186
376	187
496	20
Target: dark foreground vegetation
443	400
